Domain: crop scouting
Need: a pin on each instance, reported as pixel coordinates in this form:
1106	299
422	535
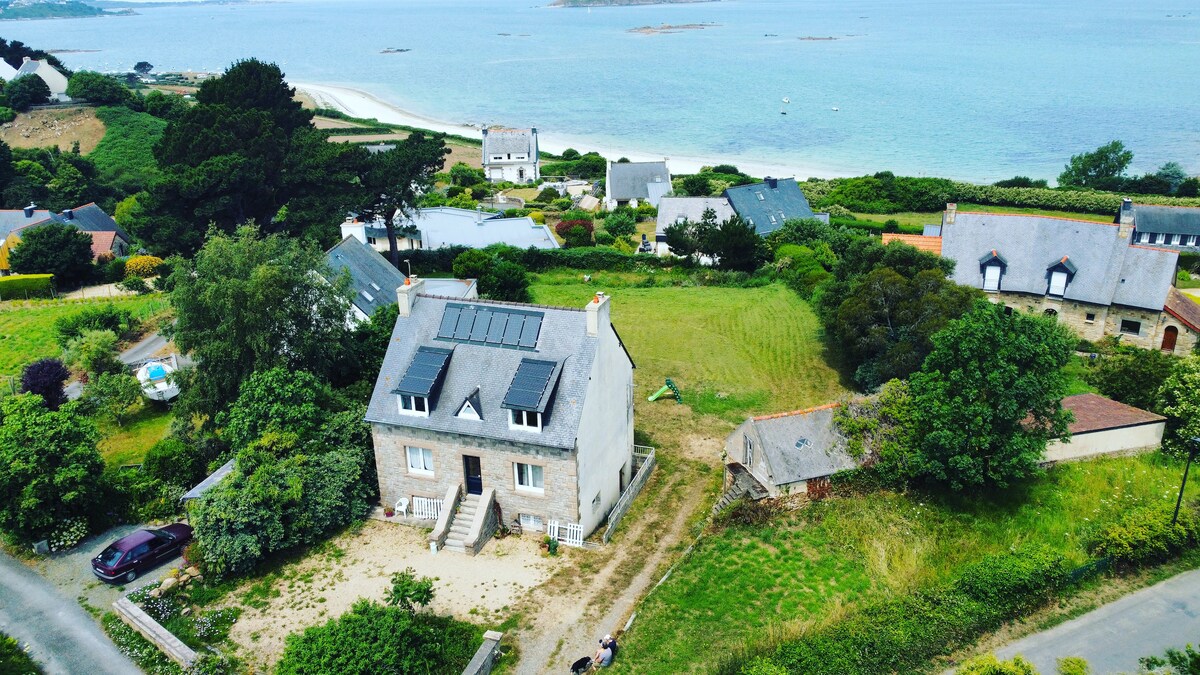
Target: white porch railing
425	508
643	465
570	534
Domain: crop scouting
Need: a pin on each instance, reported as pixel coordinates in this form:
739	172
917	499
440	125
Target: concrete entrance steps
460	526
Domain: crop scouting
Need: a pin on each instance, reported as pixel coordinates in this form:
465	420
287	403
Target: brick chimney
406	295
353	227
951	211
1125	219
597	314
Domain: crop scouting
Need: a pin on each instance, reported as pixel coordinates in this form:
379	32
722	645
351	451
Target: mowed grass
27	328
742	587
731	351
128	443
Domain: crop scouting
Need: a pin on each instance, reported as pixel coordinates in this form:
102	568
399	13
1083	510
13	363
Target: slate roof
1183	308
563	338
1097	413
1166	219
823	453
778	198
1109	269
370	273
7	72
88	218
918	241
673	209
505	141
629	180
208	483
448	226
15	219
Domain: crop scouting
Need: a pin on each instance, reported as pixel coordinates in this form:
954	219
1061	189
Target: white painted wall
1107	442
605	442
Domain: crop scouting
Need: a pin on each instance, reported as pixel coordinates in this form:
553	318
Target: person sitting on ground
610	642
603	658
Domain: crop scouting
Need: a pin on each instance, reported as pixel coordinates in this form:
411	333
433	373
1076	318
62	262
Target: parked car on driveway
130	555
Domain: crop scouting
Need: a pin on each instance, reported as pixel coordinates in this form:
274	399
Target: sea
976	90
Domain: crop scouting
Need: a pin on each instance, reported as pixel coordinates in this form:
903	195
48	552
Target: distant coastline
621	3
364	105
72	9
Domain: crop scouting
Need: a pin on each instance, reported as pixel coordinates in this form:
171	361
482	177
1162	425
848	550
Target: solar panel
529	384
494	326
424	373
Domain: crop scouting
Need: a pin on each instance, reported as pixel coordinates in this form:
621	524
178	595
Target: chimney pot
951	211
69	214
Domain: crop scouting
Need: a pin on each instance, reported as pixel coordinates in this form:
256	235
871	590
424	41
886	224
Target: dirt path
571	619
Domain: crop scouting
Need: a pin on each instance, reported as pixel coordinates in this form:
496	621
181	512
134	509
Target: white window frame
368	296
990	282
420	460
468	412
1089	317
417	406
1058	283
525	420
760	196
1175	240
532	475
747	451
371	241
1191	240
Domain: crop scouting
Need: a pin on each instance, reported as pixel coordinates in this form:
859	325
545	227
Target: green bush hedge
21	286
1146	535
100	317
903	634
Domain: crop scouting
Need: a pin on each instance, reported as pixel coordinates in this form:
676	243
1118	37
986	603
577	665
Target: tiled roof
1109	270
1097	413
630	180
673	209
102	242
918	241
1166	219
802	444
1183	308
768	204
562	338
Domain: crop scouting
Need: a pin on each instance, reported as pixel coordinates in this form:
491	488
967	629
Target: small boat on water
157	381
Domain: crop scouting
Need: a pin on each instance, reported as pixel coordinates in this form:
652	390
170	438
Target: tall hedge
22	286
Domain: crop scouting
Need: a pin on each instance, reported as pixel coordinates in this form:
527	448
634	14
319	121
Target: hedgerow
26	286
1146	535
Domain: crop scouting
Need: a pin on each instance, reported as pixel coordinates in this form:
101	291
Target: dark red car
130	555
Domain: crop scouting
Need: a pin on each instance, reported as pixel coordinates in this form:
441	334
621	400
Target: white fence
425	508
643	465
570	534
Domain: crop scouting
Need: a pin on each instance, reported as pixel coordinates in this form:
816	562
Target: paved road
62	637
1113	637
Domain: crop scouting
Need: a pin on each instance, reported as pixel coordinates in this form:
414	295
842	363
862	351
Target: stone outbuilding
1103	426
490	412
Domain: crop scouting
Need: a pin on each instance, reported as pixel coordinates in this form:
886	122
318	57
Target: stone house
107	237
1090	275
56	81
373	279
786	453
441	226
633	183
1173	227
490	412
511	155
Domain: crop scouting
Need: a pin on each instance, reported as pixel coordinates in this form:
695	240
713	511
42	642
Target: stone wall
559	500
1094	322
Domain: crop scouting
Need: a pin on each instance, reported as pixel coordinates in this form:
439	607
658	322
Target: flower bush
144	266
69	534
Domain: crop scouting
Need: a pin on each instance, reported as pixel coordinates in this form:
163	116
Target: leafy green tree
55	249
248	303
472	264
570	153
94	352
1101	169
396	178
620	224
1184	661
371	339
1180	402
465	175
884	327
143	67
50	469
506	281
578	236
737	246
696	185
112	395
1133	376
25	92
989	397
163	105
254	85
1173	174
46	377
276	400
97	88
408	592
375	638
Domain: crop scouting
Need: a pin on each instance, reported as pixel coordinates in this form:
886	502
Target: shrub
7	115
537	217
1146	535
988	664
1016	580
620	225
577	237
113	271
14	660
136	496
748	512
135	285
144	266
25	286
94	352
46	377
604	239
177	462
562	203
547	195
98	317
1073	665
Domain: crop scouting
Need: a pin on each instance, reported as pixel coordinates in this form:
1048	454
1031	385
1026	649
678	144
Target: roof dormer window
992	265
525	420
1061	271
414	405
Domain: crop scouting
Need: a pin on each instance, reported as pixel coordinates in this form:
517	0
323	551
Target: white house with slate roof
373	280
56	81
632	183
673	210
511	155
1089	275
486	410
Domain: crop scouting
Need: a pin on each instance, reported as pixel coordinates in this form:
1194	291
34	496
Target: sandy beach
361	104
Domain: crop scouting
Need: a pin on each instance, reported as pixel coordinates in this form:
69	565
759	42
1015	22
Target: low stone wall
485	657
150	629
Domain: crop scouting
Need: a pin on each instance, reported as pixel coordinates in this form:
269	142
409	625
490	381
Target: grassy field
128	443
125	155
27	328
742	586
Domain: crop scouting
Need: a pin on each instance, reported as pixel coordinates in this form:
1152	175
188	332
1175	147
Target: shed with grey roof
789	453
767	205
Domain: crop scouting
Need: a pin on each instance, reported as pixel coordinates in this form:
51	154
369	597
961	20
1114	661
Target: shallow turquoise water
968	89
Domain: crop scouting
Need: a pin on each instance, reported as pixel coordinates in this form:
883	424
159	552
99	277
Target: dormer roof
992	256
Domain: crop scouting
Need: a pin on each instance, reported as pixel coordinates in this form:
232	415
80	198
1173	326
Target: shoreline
365	105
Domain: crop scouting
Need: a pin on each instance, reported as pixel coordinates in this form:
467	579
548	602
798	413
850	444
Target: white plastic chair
402	506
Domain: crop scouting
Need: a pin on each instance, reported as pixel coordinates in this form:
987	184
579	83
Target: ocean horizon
972	91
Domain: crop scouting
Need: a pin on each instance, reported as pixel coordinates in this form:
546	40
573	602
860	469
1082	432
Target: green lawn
127	444
741	586
732	351
27	328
